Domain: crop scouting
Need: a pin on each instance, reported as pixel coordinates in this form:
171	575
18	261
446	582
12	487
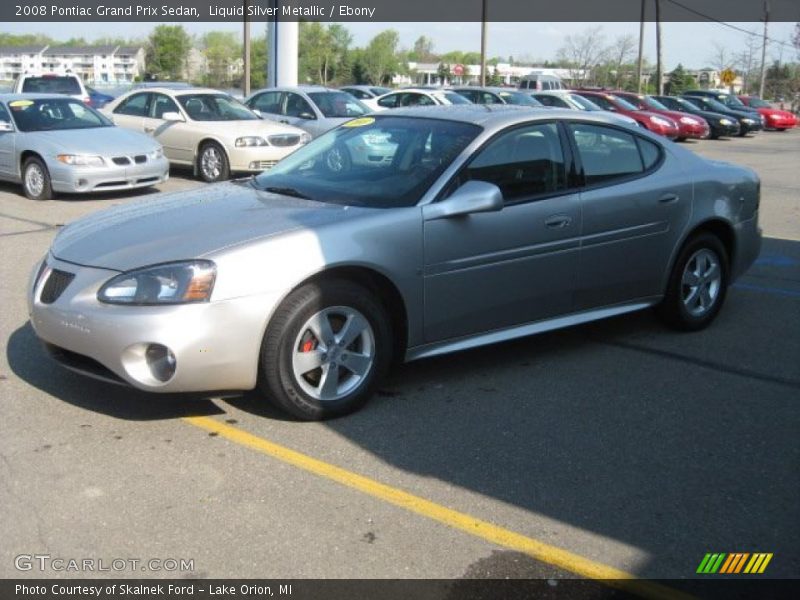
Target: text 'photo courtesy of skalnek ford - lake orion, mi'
432	300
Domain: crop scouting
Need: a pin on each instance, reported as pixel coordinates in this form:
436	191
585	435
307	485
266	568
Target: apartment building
94	64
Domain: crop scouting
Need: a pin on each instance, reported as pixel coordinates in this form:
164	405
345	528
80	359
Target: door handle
668	198
558	221
285	121
149	129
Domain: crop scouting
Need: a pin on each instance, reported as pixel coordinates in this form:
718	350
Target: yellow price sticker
20	103
360	122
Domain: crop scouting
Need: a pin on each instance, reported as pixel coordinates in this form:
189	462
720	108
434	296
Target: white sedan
419	97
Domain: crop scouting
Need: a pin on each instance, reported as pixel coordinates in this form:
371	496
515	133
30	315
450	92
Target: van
540	82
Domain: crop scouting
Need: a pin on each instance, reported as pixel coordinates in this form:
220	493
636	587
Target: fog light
254	165
161	362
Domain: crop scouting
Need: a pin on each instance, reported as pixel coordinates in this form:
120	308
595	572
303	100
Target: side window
389	101
524	162
602	102
651	153
268	103
360	94
606	153
557	102
135	106
4	116
160	104
488	98
296	105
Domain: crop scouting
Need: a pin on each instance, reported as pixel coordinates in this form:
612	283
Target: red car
775	118
649	120
691	126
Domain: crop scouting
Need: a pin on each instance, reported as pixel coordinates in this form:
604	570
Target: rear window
338	105
609	154
51	85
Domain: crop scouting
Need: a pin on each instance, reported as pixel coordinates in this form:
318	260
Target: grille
263	164
121	160
289	139
55	286
139	159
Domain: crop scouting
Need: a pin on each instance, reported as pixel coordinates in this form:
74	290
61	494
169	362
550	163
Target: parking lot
610	449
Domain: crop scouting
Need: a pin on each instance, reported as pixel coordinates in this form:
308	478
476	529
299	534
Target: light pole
483	42
246	58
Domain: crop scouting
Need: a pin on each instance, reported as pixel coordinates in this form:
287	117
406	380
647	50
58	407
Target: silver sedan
54	143
308	281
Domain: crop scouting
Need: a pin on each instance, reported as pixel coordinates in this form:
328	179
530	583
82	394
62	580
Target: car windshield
519	98
215	107
455	98
715	105
374	162
653	103
759	103
731	101
624	103
51	85
337	105
684	103
580	102
48	114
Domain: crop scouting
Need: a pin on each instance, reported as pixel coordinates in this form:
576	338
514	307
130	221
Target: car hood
106	141
189	224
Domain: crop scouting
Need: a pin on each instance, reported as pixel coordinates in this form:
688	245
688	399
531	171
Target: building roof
82	50
128	49
29	49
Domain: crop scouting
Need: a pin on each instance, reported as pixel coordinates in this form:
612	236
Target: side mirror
257	113
6	126
172	116
306	115
472	197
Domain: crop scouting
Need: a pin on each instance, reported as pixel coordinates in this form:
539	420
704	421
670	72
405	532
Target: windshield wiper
287	191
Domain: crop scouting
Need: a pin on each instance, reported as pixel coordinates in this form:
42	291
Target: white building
94	64
428	74
15	60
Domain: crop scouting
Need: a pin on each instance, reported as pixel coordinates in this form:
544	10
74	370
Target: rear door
8	168
636	203
493	270
131	112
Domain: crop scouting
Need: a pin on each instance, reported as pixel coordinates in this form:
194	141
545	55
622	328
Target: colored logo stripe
734	563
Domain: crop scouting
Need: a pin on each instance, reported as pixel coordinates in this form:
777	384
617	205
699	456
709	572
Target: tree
796	39
221	49
680	80
443	73
379	60
314	52
621	54
582	53
720	58
423	50
258	62
495	78
167	50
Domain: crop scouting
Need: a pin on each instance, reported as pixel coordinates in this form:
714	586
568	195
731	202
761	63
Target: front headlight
155	154
81	160
250	140
689	121
171	283
775	117
725	122
305	138
748	121
660	121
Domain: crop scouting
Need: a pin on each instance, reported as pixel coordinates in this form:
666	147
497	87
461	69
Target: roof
128	49
31	96
493	115
29	49
74	50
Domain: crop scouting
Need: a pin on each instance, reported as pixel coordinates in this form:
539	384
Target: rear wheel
326	347
697	285
36	180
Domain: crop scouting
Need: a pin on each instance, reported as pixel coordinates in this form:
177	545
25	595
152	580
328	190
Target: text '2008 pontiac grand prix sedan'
478	225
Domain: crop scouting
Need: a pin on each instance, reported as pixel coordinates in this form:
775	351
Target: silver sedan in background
53	143
308	281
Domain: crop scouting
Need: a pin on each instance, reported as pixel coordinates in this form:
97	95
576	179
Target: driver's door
488	271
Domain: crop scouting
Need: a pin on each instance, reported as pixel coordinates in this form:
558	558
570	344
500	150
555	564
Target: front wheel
212	163
36	180
697	285
326	347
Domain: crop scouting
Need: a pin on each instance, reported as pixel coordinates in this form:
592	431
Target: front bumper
76	180
697	132
781	123
216	345
254	159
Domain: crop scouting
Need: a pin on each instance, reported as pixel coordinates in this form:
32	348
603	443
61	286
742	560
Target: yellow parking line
546	553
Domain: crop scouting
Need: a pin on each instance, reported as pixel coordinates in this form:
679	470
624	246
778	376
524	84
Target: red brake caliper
308	343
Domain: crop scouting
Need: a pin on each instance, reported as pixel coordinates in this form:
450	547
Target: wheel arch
720	228
25	155
205	140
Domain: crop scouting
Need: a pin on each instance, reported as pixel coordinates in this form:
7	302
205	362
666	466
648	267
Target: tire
212	163
36	180
681	139
297	364
337	159
690	307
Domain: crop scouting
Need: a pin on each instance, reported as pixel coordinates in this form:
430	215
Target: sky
690	44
